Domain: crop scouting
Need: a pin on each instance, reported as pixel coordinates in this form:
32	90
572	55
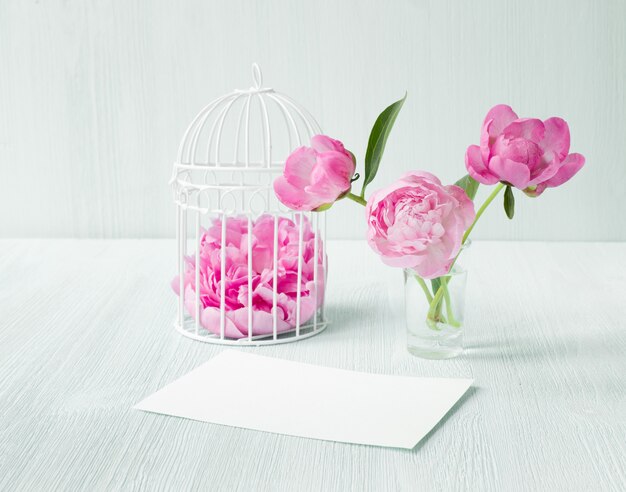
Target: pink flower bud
526	153
315	176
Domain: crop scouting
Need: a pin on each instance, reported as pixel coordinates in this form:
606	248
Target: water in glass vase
435	311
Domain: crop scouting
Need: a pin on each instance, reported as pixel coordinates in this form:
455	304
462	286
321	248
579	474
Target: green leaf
469	184
509	202
378	138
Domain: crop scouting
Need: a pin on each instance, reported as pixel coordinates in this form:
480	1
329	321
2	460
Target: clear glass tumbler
435	311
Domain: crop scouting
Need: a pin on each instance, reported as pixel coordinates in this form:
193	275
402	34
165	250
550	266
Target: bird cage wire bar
191	327
187	151
208	128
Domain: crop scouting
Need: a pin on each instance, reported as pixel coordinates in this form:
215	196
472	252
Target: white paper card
273	395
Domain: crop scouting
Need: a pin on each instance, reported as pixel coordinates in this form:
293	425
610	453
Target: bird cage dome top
251	129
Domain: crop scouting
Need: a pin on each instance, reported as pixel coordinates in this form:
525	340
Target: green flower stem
481	210
442	286
451	319
434	311
435	305
358	199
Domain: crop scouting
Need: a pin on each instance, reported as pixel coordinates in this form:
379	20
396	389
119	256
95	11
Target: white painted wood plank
95	96
86	332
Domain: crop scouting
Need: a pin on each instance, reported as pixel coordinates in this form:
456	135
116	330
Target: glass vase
435	310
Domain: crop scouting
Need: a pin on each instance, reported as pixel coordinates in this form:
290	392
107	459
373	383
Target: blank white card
273	395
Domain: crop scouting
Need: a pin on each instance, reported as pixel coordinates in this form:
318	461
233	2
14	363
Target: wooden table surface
86	332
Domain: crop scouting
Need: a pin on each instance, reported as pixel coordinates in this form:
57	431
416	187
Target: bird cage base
306	331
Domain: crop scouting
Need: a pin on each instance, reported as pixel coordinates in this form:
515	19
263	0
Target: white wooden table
86	332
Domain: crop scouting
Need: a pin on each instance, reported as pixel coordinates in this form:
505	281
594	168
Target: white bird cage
230	220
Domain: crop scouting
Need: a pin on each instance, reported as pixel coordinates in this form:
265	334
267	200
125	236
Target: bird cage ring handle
257	76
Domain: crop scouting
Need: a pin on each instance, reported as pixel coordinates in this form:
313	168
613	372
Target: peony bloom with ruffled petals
315	176
235	276
526	153
418	223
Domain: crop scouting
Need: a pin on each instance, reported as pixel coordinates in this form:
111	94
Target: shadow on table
350	318
468	394
531	349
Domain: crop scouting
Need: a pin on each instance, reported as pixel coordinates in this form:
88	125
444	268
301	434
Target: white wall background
95	95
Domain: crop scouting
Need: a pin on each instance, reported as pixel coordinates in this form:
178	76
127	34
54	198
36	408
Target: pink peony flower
524	152
418	223
315	176
235	276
